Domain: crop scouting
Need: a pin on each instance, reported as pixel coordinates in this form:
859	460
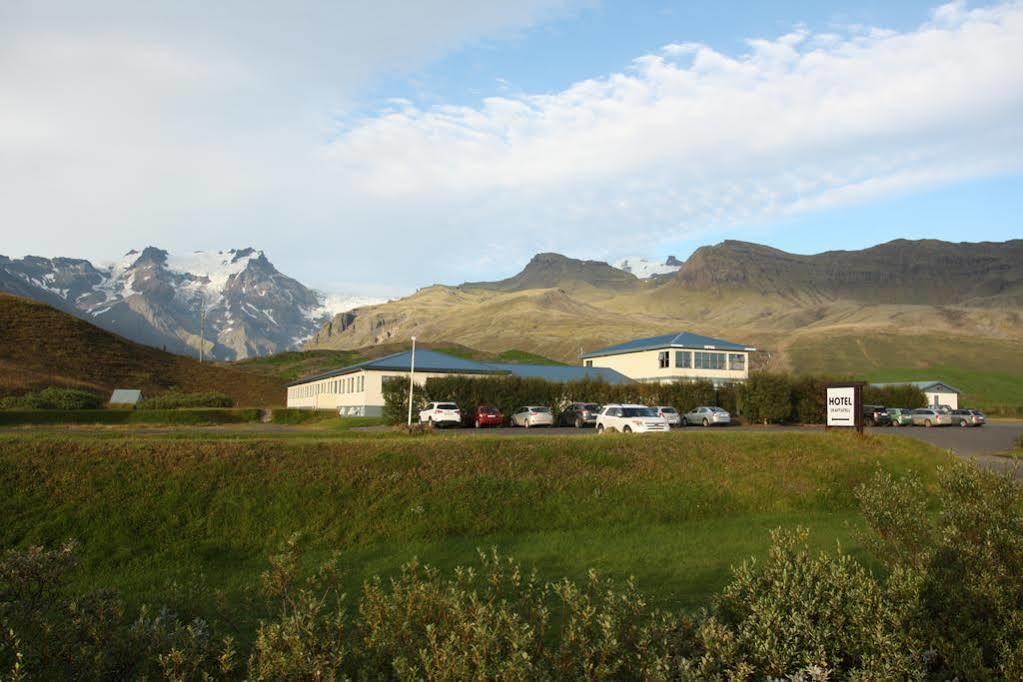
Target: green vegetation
53	398
294	365
988	371
525	358
173	400
189	417
946	600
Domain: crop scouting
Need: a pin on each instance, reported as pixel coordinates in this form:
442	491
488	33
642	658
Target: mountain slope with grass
41	346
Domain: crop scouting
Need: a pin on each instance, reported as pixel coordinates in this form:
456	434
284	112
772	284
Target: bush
115	416
286	415
767	397
174	400
53	399
905	396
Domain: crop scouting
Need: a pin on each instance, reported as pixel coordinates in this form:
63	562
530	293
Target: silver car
707	416
968	417
926	416
669	413
532	415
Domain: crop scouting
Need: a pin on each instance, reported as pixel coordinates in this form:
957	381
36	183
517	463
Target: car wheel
578	423
685	422
962	422
705	422
526	423
477	423
600	428
626	430
927	423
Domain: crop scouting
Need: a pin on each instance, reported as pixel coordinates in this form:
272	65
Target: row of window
352	384
685	359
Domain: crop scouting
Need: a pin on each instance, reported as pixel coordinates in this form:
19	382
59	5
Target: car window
716	409
638	412
668	410
540	409
447	406
591	406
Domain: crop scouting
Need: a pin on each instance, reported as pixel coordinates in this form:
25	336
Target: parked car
487	415
580	415
928	416
669	413
532	415
629	419
968	417
707	416
876	415
900	416
441	414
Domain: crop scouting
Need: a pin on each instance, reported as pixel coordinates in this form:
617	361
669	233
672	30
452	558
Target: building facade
676	357
358	390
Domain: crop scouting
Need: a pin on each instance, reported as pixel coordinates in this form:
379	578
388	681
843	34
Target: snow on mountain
156	298
644	268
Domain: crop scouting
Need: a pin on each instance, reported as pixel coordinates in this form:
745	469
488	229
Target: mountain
42	346
644	268
780	302
156	298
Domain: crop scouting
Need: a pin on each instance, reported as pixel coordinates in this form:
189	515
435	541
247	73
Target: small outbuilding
125	397
937	392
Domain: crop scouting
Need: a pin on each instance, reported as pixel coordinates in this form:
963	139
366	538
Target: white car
630	419
707	416
532	415
669	413
441	414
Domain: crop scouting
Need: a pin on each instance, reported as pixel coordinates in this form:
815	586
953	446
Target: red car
487	415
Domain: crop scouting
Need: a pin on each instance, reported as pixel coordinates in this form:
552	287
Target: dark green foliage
114	416
809	398
767	398
173	400
53	399
291	415
395	392
904	396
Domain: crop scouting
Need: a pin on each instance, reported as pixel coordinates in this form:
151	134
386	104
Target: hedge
171	417
764	398
175	400
291	415
53	399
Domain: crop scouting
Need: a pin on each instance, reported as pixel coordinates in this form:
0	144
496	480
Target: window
662	359
683	358
737	362
709	360
589	363
362	383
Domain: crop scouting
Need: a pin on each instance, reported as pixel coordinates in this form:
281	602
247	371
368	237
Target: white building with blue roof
675	357
358	390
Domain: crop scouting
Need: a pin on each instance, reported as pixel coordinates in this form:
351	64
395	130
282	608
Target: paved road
993	438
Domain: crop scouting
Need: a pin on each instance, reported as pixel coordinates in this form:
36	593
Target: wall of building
645	366
942	398
360	393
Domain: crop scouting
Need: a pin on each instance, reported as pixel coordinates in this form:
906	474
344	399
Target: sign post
844	405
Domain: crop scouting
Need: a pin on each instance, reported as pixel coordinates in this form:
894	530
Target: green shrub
175	400
115	416
290	415
53	399
767	397
906	396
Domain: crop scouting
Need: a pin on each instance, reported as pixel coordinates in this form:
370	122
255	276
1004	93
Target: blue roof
442	363
679	340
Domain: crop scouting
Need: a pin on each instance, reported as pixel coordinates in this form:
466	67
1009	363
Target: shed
126	397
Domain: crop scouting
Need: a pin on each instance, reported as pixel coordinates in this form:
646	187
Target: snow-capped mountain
157	298
644	268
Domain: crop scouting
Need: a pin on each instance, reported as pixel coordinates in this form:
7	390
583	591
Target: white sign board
842	406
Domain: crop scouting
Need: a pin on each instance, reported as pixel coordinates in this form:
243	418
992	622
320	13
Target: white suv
629	419
441	414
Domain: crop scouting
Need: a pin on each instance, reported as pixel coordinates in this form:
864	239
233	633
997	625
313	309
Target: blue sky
375	149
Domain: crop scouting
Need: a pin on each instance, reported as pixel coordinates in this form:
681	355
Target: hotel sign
844	405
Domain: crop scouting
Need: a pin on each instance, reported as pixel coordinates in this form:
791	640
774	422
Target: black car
876	415
580	415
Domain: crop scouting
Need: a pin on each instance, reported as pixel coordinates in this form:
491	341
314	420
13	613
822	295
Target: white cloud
198	125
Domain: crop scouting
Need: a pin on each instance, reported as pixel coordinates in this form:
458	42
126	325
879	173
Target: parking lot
995	437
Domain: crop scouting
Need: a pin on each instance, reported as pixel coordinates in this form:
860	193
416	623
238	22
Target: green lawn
157	517
988	371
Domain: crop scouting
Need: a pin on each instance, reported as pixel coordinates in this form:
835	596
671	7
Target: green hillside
988	371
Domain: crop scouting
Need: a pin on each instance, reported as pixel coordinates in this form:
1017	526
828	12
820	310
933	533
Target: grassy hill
676	512
41	346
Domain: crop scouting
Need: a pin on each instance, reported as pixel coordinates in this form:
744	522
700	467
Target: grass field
988	371
157	518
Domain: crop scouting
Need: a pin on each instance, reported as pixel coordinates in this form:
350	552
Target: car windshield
716	409
447	406
637	412
540	409
488	409
591	407
977	412
668	410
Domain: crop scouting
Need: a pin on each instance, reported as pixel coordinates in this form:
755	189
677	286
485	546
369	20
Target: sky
374	148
